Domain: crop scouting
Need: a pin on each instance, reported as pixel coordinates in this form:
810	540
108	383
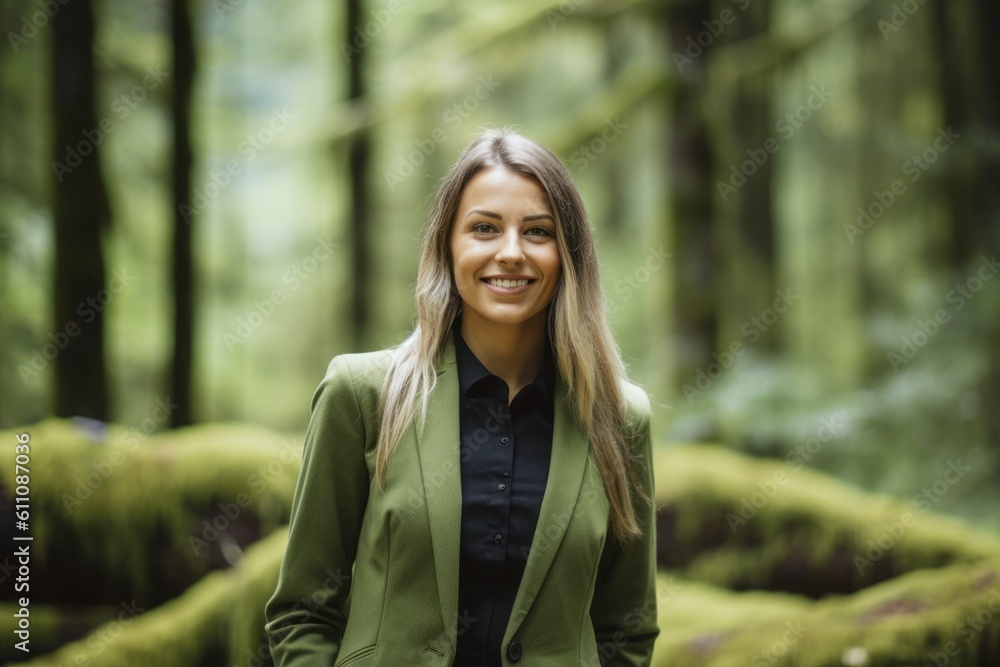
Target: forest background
796	206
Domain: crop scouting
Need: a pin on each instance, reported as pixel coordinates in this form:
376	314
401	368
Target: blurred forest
797	209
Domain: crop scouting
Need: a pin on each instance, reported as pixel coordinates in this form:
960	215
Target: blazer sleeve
624	607
306	615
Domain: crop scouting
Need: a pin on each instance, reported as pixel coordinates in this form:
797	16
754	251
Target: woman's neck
512	352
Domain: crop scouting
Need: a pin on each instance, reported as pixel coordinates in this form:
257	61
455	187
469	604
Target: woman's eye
539	231
482	227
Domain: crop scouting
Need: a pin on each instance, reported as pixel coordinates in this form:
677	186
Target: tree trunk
988	223
959	181
81	215
691	191
357	177
989	113
182	362
746	219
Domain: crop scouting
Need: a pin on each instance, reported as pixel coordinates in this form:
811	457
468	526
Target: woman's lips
508	291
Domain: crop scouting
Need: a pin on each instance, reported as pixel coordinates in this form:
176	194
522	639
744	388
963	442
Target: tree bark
357	177
747	276
988	223
691	207
81	214
182	266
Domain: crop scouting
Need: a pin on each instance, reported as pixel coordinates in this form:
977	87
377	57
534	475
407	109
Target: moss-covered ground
162	551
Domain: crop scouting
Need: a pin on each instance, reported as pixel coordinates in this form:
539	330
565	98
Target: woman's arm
305	618
624	608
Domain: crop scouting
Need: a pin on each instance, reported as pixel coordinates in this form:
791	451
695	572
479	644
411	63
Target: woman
480	494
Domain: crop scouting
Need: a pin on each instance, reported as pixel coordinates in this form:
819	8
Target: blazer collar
440	463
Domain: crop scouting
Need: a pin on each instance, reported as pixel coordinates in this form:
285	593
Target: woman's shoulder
363	369
353	379
637	401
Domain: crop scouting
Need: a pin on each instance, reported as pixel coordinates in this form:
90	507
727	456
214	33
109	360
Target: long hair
586	353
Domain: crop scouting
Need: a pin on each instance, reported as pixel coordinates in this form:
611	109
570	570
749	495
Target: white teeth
508	283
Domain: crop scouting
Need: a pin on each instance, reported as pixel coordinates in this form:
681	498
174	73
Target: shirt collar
471	371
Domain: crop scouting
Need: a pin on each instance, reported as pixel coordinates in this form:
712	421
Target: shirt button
501	486
498	538
504	440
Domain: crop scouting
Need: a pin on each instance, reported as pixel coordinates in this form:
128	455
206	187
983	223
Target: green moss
88	496
954	611
221	616
743	522
51	626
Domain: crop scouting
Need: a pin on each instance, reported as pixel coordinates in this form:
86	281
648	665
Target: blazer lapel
439	453
438	448
570	448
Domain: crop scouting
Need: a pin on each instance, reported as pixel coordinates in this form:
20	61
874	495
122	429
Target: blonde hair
587	355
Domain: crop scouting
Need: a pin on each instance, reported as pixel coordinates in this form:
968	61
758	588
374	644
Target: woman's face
504	231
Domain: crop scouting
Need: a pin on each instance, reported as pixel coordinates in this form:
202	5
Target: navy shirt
505	453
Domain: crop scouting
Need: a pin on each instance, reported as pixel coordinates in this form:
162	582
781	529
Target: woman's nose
510	247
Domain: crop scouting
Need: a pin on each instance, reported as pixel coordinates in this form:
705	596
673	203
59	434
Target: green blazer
370	577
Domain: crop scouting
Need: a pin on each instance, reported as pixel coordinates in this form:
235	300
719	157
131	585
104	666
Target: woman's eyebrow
488	214
497	216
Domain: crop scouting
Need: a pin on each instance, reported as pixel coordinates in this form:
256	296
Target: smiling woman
506	267
495	465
